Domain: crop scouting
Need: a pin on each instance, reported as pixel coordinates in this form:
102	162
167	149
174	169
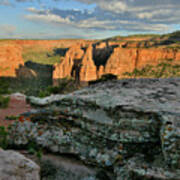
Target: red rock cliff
65	69
121	60
88	71
10	59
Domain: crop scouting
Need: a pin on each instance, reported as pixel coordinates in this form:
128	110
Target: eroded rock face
65	68
78	63
122	60
15	166
154	56
108	58
88	69
109	123
127	59
10	59
138	168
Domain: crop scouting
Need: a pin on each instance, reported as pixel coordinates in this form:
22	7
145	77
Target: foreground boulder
14	166
109	124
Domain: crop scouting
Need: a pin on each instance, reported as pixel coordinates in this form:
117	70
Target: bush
3	137
4	101
12	117
4	86
162	70
105	77
64	86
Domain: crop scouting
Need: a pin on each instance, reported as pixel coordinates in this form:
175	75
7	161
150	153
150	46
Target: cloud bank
133	16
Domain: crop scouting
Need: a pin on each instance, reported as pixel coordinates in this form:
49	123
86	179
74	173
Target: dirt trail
16	106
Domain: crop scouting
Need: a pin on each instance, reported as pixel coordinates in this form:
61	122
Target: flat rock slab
153	95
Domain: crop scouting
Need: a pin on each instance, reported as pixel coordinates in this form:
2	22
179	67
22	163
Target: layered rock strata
109	125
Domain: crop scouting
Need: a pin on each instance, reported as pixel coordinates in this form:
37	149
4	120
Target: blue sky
90	19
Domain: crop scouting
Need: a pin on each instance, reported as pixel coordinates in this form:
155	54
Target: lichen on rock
108	124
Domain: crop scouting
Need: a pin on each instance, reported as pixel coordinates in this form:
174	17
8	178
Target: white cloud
48	18
114	6
8	29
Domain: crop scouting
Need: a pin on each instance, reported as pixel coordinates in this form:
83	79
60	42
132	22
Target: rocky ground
17	106
128	129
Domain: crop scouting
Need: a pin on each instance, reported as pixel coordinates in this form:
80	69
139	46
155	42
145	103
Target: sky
87	19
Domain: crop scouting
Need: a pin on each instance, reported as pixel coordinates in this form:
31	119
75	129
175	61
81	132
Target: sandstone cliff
69	65
10	59
127	59
105	58
122	60
88	70
78	63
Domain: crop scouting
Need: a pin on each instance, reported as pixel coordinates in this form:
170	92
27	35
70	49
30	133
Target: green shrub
3	137
105	77
4	101
162	70
34	149
40	55
4	86
12	117
64	86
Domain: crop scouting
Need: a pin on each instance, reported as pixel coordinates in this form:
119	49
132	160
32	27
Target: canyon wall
10	59
11	52
88	60
110	58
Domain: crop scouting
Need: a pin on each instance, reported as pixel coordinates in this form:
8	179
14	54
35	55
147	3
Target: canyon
88	60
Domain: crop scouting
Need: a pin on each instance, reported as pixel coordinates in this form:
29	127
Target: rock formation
122	60
78	64
154	56
10	59
25	73
100	71
13	165
108	58
88	69
70	64
131	126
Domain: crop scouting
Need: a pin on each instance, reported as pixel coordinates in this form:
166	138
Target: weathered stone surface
14	166
109	123
138	168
